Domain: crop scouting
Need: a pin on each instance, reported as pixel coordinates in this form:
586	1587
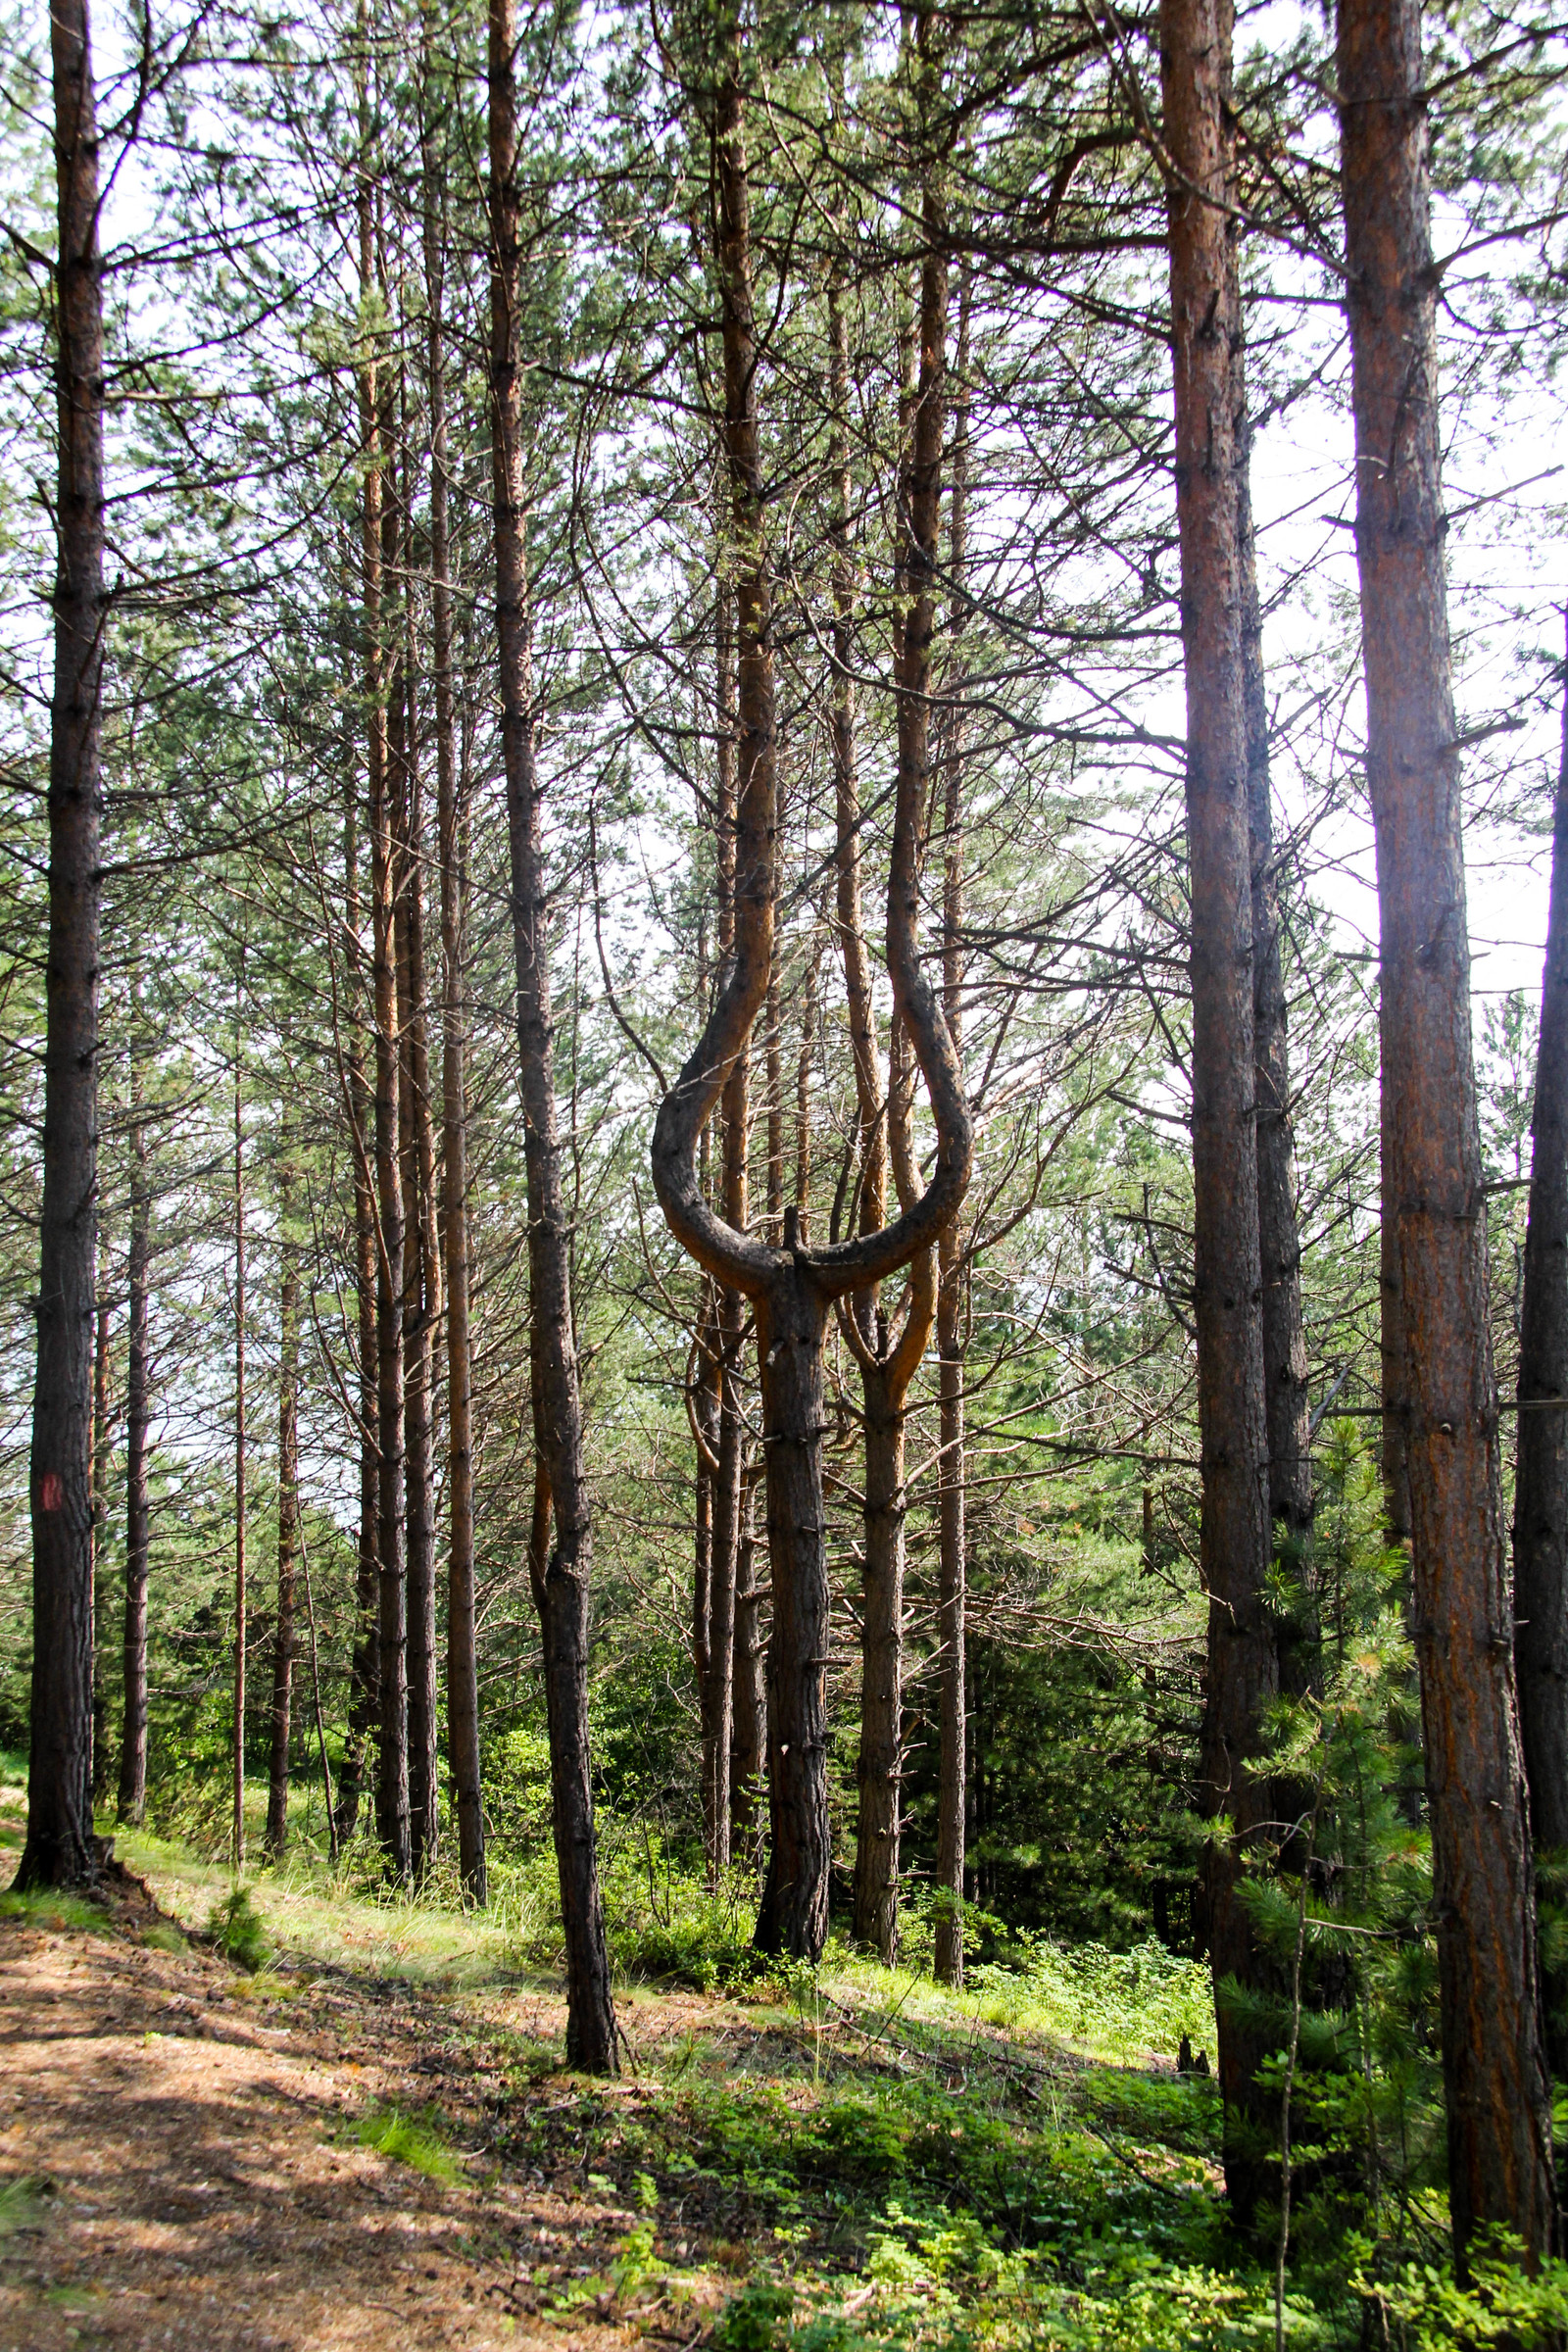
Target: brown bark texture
1540	1471
364	1678
1196	37
241	1557
462	1675
288	1519
1287	1417
392	1763
792	1286
98	1487
951	1563
422	1273
132	1790
1495	2075
562	1581
59	1848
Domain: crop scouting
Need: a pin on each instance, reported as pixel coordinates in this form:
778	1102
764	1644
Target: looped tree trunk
795	1287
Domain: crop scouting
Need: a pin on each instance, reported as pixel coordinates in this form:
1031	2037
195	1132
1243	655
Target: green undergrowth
414	2141
47	1908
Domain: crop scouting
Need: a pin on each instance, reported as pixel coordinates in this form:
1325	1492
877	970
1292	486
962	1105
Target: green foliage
239	1932
408	2140
49	1907
756	2318
23	2203
1123	2005
1422	2307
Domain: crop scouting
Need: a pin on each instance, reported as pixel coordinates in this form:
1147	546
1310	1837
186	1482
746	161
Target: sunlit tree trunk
241	1561
364	1679
561	1579
1540	1477
288	1512
132	1792
951	1572
59	1848
463	1674
1243	1674
1495	2074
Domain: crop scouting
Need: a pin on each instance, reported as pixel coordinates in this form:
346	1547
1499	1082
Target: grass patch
49	1907
408	2141
23	2203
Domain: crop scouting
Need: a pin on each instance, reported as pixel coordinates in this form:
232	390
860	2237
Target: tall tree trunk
98	1484
392	1767
794	1287
132	1795
59	1848
718	1676
421	1278
952	1571
463	1673
1495	2073
562	1589
241	1601
363	1676
288	1512
1287	1418
1243	1674
749	1742
1540	1476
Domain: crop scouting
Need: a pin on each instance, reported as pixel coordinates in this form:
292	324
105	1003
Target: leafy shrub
756	2318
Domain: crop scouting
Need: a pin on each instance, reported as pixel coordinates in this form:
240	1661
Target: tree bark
98	1484
1494	2074
288	1514
1287	1417
719	1678
392	1768
363	1675
132	1793
462	1672
1235	1548
792	1286
952	1573
241	1598
421	1280
749	1744
1540	1476
561	1589
59	1848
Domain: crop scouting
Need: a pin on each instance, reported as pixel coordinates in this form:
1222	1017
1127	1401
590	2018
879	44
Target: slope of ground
197	2154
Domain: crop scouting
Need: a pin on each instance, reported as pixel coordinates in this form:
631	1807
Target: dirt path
197	2180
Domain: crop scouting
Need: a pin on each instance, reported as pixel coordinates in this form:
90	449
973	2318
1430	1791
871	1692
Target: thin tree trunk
1288	1420
1495	2074
463	1673
749	1744
562	1589
951	1572
288	1514
363	1676
240	1562
132	1795
1243	1674
422	1290
392	1769
718	1670
59	1848
98	1482
1540	1477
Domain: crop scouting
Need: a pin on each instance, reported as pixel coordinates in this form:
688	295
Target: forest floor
198	2154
